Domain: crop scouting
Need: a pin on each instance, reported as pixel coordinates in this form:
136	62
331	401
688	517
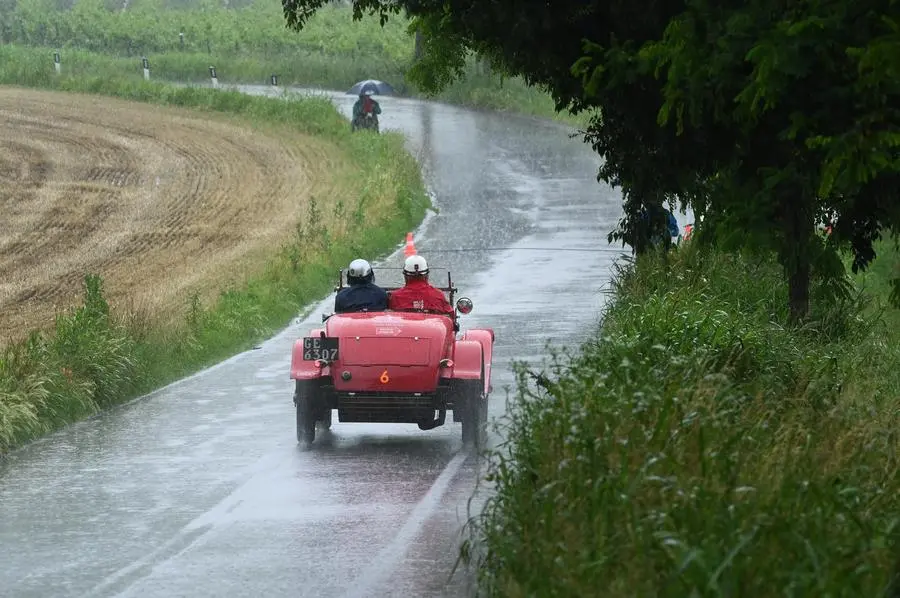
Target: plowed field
161	202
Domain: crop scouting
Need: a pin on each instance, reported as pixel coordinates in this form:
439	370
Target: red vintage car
394	366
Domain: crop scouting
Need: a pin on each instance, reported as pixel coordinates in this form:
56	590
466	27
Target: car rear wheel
304	402
474	420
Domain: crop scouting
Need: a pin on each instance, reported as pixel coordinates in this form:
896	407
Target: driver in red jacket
418	293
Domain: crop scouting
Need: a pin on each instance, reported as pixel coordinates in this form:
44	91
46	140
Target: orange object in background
410	246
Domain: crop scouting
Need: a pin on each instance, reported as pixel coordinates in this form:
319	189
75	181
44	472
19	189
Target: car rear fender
305	370
467	360
485	337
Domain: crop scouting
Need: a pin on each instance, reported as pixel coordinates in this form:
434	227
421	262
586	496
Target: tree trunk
419	46
798	291
486	67
799	228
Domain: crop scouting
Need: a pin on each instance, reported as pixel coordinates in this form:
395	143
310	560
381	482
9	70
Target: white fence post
56	62
146	64
212	75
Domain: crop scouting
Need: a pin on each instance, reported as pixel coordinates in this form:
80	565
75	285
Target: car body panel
408	346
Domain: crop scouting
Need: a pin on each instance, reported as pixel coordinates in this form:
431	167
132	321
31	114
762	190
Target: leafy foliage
812	135
768	119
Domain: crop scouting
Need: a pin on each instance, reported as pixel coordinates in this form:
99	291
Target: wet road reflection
200	488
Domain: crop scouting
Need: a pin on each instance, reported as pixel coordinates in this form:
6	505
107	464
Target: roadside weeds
698	447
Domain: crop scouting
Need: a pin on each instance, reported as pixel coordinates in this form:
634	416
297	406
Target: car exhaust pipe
431	425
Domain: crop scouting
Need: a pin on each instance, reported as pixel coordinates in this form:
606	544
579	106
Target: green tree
768	118
808	95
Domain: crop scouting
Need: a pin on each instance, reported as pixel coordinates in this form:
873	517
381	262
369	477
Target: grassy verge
250	43
698	448
97	356
478	90
877	282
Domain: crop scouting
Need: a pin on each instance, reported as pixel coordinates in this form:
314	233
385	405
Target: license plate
318	348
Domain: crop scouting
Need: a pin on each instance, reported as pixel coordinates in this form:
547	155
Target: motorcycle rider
365	105
362	294
418	293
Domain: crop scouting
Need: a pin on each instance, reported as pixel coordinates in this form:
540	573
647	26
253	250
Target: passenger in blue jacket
362	294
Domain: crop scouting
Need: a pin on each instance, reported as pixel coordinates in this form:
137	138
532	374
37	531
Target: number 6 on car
394	366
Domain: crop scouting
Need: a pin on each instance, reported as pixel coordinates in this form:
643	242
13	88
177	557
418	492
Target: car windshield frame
450	290
446	286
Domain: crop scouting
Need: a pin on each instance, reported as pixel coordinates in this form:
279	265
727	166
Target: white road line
383	565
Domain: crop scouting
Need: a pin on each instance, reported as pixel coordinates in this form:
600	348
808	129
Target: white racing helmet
415	265
360	270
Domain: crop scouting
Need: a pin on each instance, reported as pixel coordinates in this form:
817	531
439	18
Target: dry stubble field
162	202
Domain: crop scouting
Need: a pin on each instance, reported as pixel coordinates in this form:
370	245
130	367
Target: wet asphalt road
200	489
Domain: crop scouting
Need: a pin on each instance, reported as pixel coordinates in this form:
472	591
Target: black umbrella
371	87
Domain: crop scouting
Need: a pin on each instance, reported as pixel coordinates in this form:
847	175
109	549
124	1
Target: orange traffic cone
410	246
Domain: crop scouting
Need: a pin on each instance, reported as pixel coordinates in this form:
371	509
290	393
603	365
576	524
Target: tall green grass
211	28
880	282
98	355
248	44
697	447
